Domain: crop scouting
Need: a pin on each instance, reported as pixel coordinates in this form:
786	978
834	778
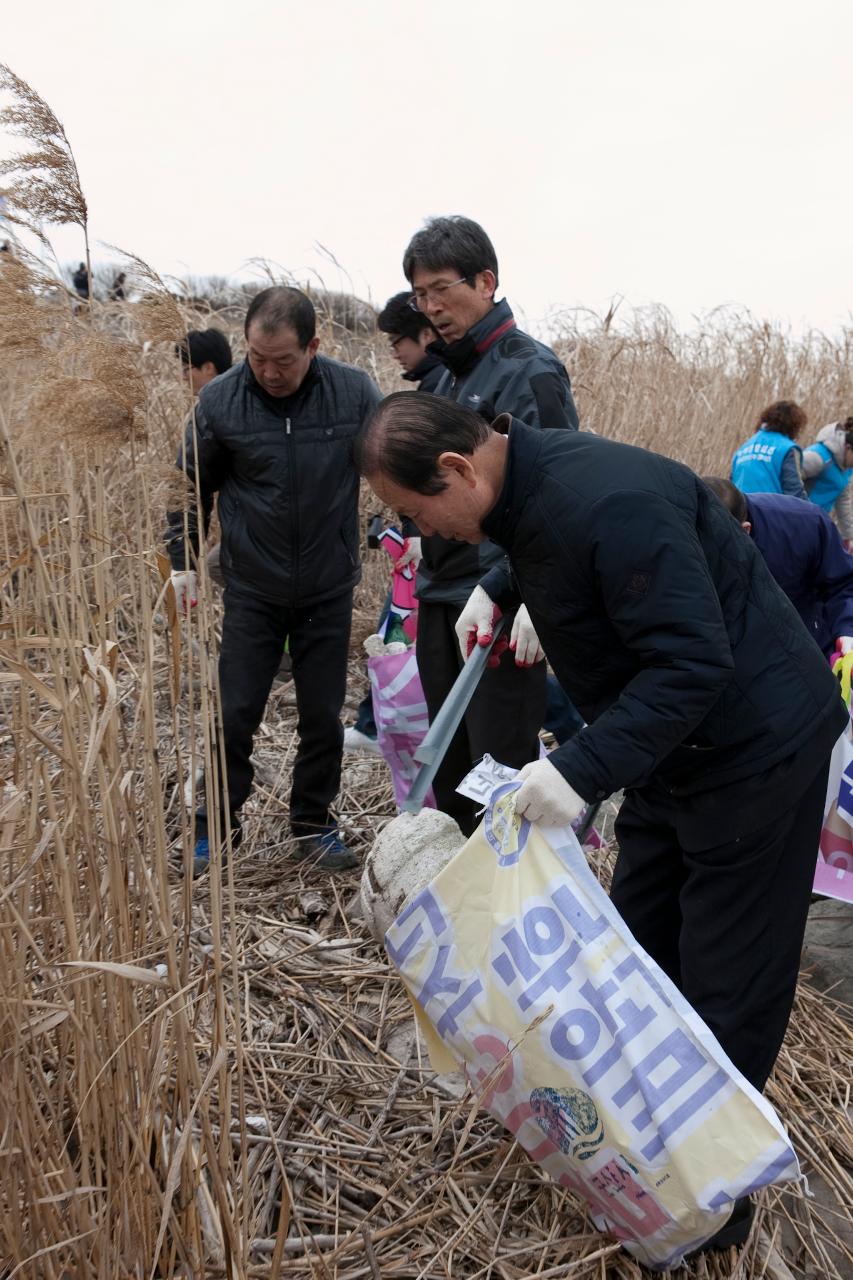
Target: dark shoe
326	851
734	1233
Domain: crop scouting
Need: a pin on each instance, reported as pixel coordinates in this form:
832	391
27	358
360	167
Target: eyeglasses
395	342
422	296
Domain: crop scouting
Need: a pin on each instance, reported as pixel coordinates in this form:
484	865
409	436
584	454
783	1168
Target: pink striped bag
399	709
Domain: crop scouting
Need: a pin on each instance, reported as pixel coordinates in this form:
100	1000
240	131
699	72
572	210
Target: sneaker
326	851
201	856
201	852
355	740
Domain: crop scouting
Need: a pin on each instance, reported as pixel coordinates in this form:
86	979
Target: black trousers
253	636
725	923
503	718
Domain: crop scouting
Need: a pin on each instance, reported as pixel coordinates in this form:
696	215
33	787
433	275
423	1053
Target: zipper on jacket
294	517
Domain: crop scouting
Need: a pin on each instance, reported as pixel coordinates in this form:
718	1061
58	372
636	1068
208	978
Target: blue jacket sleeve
792	478
834	581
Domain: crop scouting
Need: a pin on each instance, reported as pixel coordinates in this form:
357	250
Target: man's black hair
409	430
399	318
454	242
730	496
283	305
206	344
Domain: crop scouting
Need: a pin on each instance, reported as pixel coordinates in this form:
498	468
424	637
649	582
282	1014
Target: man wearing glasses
410	335
492	367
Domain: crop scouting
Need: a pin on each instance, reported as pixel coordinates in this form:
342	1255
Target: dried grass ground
215	1078
382	1153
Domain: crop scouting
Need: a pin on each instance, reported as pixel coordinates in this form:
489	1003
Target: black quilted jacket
287	484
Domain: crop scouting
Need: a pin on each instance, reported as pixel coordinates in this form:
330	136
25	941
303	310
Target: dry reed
222	1078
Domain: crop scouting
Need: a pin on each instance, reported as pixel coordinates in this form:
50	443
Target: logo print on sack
845	792
505	831
568	1117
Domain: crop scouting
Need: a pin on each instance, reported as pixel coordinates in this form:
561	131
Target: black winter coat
660	619
287	482
494	369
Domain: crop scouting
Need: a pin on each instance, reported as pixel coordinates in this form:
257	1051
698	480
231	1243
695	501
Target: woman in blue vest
827	468
769	461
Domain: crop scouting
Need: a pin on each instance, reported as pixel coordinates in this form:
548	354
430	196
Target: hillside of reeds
221	1078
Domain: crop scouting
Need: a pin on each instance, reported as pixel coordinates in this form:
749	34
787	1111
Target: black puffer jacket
287	483
660	619
494	369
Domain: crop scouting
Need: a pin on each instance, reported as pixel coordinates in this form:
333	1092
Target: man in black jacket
410	335
274	437
492	367
706	699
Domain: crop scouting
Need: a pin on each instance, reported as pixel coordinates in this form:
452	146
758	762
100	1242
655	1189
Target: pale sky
693	154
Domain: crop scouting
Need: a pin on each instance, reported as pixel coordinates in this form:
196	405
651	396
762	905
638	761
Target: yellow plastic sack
522	970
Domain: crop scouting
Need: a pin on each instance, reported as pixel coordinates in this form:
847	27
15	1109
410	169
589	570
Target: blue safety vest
826	487
757	464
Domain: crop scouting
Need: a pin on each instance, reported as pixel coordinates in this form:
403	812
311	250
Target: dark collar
461	356
424	366
283	405
521	459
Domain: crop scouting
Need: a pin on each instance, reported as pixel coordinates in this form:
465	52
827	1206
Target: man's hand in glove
185	587
546	797
476	625
411	554
524	641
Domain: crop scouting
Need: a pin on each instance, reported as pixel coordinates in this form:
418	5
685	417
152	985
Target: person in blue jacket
827	468
770	461
804	552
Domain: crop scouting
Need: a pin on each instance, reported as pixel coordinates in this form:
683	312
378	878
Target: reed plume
45	182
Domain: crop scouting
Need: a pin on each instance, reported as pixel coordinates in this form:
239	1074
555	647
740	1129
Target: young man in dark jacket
410	335
205	353
805	554
492	367
274	437
704	697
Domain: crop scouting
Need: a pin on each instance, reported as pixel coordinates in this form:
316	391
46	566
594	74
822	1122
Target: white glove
476	623
524	641
844	644
411	554
185	586
546	797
